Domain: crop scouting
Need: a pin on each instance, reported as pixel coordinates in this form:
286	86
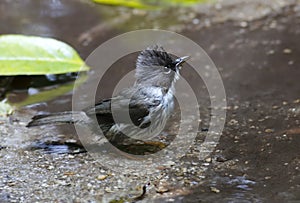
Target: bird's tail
55	118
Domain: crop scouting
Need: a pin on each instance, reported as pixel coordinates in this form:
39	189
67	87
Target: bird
150	101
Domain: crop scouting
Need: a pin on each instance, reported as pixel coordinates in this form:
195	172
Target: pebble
221	159
194	163
269	130
196	21
273	24
162	189
109	190
291	63
69	173
208	160
296	101
101	177
44	185
214	189
244	24
169	163
62	182
287	51
71	141
233	122
270	52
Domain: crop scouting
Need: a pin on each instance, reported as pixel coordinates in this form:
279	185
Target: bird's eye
167	70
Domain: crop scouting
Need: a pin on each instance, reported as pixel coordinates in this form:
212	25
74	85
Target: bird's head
155	67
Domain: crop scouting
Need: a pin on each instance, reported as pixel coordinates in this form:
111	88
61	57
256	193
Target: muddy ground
256	48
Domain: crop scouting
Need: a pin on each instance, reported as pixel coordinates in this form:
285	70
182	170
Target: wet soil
257	158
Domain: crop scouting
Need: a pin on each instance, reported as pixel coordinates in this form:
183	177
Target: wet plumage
149	101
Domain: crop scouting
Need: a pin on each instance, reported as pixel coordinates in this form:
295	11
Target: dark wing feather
139	105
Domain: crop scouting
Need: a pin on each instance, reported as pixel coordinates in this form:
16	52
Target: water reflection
55	9
235	189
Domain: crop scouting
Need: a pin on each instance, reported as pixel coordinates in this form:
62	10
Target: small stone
69	173
273	24
287	51
208	160
221	159
291	63
214	189
162	189
194	163
235	107
227	108
244	24
62	182
44	185
170	163
71	141
107	189
10	184
101	177
271	52
196	21
233	122
269	130
296	101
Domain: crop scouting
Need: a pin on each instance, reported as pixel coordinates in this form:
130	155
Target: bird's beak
181	60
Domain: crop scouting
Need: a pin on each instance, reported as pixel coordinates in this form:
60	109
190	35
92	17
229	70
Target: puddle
236	189
58	148
238	182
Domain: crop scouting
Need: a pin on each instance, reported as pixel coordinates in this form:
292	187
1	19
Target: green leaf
127	3
30	55
48	95
150	4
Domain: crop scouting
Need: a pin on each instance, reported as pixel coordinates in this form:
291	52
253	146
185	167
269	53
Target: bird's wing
137	102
